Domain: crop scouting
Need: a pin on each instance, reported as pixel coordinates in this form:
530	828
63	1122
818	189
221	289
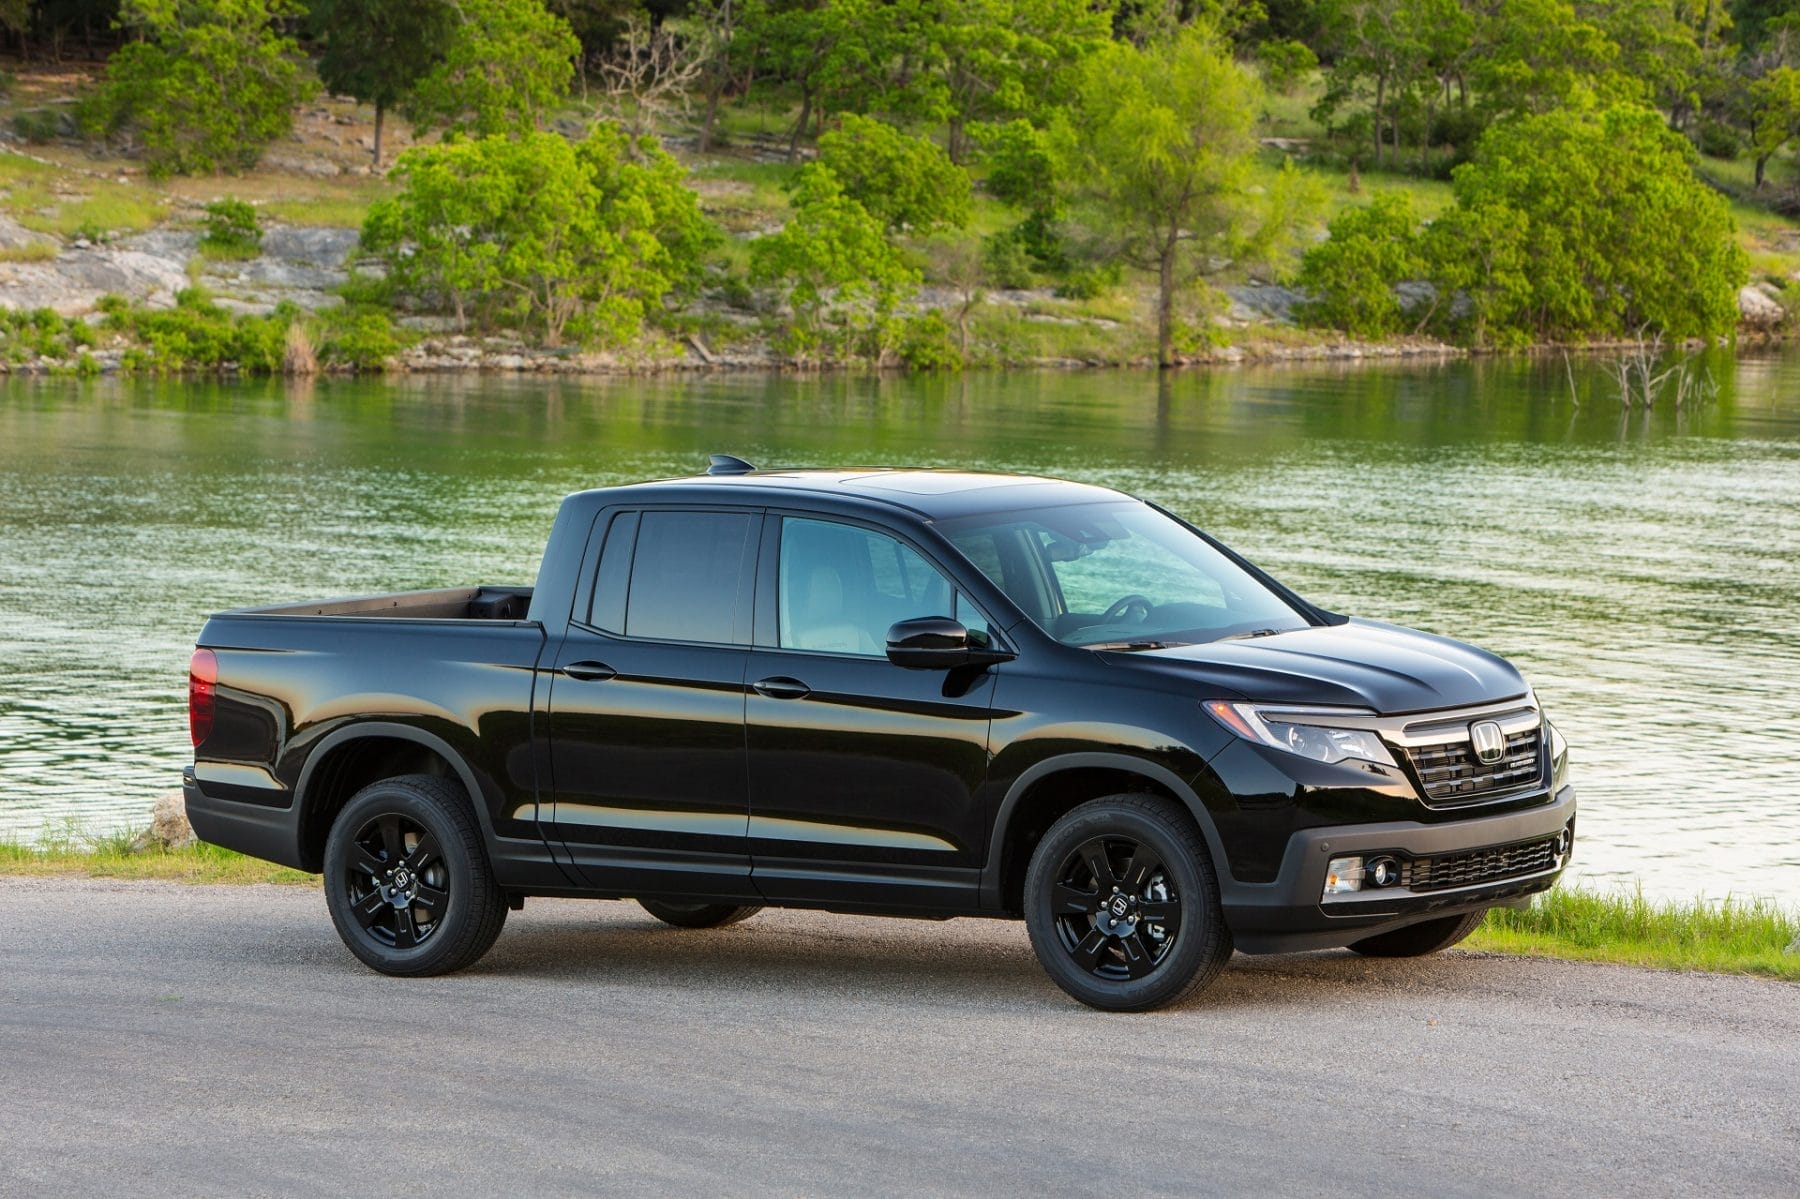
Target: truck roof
932	494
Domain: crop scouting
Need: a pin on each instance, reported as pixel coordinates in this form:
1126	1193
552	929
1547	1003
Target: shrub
903	181
1350	276
214	85
1286	63
1089	283
231	230
927	343
38	126
1005	260
1716	139
358	339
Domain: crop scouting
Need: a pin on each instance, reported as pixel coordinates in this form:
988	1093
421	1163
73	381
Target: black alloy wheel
398	885
1123	906
407	878
1116	915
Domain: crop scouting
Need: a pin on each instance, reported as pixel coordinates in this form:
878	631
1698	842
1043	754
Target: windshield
1118	575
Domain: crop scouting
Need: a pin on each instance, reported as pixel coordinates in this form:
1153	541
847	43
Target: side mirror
937	643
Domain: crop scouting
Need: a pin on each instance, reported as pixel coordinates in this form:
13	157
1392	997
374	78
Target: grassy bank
1729	937
70	851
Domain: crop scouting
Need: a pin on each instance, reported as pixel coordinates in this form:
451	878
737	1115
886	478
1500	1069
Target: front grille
1449	772
1478	866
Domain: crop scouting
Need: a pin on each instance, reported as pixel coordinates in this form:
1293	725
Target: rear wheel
1417	940
697	915
1123	906
407	879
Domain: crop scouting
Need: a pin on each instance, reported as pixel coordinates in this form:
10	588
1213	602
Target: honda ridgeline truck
911	693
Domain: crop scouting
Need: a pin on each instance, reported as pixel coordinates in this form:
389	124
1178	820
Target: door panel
647	734
865	778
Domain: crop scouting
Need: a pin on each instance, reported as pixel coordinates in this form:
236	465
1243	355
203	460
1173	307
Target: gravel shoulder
199	1040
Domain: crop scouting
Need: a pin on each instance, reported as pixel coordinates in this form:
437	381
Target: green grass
1728	937
66	203
70	850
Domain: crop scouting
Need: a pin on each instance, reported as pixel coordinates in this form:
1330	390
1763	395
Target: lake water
1643	569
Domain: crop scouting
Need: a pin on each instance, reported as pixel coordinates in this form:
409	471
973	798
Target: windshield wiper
1135	645
1254	633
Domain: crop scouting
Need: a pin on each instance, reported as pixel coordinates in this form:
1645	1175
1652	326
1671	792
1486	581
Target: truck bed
448	603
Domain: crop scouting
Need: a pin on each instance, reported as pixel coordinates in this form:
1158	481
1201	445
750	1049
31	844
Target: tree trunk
380	112
800	125
958	141
1380	107
709	124
1165	306
1762	160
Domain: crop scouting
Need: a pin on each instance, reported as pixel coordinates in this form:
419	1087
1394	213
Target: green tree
1159	144
903	181
1774	115
1538	55
1350	276
969	61
837	273
209	88
1613	229
379	50
579	241
505	65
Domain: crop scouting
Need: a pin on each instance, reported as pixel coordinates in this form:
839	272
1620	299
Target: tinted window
685	576
842	587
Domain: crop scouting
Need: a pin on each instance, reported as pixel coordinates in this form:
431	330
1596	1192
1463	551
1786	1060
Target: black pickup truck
911	693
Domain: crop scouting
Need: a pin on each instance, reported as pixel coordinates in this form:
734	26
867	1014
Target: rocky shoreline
306	266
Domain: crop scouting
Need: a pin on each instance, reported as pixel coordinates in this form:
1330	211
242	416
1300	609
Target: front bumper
1287	915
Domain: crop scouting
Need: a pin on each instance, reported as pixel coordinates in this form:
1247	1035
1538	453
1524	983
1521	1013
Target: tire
412	838
1417	940
1141	854
697	915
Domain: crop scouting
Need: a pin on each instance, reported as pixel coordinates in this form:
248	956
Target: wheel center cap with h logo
1488	742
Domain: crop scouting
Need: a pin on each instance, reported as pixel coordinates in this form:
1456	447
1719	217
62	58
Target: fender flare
1123	763
363	730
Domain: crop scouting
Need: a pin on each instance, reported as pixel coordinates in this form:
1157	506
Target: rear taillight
203	680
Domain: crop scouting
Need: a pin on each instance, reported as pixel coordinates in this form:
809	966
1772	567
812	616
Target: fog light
1383	872
1343	876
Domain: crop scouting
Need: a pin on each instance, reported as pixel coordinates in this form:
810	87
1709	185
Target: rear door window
688	577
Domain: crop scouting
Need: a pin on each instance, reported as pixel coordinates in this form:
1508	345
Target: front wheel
1123	906
697	915
407	879
1417	940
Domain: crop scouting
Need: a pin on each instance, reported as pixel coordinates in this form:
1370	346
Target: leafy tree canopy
505	65
836	271
903	181
577	241
211	86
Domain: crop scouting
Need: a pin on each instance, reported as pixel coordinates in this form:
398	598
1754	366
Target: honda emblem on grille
1488	741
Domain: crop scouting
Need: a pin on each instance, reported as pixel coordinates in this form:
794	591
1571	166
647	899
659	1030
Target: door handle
593	672
782	687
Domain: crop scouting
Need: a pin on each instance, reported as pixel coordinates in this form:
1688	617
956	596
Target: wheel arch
349	759
1048	789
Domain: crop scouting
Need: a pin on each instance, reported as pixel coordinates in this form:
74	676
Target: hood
1362	664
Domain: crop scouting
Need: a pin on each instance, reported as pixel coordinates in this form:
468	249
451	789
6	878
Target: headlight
1559	753
1299	731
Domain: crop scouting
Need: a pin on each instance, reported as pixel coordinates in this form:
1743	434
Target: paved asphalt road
162	1039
